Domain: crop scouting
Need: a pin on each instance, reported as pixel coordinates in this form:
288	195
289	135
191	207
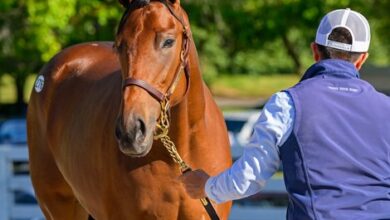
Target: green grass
233	86
236	86
8	90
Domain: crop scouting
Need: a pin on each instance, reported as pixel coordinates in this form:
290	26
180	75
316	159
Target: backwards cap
351	20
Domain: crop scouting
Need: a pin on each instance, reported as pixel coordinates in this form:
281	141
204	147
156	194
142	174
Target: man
331	132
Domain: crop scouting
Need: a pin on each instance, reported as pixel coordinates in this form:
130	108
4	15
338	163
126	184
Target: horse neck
192	108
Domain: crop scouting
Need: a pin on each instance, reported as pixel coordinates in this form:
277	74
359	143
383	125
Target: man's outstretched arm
259	161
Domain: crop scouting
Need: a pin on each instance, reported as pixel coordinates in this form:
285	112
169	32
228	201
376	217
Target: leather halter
155	93
164	102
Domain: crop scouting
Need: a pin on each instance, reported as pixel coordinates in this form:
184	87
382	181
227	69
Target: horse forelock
133	5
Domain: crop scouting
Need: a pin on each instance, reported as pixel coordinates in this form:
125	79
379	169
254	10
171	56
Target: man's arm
259	161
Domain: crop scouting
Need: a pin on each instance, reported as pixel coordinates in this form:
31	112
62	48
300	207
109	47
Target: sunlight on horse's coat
76	164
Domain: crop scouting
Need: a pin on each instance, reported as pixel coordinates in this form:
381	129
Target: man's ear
359	62
314	50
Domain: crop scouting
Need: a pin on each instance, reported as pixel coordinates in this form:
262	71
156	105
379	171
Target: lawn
231	86
8	90
238	86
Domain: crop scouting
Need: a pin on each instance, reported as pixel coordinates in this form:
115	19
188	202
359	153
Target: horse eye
168	43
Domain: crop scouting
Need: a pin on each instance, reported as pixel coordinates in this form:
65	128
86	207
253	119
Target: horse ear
125	3
175	3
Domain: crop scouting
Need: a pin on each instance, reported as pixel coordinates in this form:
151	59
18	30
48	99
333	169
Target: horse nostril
134	133
141	129
118	133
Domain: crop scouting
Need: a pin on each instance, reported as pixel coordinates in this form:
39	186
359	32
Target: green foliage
274	36
96	20
248	37
48	24
252	32
255	62
32	31
213	56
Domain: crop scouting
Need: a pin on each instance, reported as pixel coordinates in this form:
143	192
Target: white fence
16	192
262	206
15	184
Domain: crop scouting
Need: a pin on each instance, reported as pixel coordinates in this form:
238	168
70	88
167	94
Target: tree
379	18
246	28
250	37
32	31
274	35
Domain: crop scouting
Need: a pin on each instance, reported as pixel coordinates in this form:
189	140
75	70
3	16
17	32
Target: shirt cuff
210	183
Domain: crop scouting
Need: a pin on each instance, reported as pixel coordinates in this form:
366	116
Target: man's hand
194	182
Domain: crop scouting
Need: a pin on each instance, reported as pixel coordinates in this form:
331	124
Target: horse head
152	46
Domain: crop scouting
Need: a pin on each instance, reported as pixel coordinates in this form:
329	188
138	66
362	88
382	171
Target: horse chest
155	180
153	193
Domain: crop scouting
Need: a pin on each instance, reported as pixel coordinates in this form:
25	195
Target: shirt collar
334	67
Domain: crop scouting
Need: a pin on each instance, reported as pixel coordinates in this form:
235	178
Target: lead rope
162	134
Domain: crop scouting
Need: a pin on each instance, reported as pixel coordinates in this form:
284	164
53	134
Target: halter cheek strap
155	93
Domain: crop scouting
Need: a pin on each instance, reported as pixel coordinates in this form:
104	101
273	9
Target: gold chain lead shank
162	134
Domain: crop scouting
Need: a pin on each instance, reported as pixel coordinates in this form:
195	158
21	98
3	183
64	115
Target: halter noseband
162	127
155	93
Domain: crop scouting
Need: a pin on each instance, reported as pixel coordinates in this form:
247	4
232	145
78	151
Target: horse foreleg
54	195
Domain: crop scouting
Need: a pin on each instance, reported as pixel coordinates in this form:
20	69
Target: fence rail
15	183
14	179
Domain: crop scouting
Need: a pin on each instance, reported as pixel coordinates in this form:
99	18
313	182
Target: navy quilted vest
336	162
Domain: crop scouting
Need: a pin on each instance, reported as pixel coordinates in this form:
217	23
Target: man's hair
341	35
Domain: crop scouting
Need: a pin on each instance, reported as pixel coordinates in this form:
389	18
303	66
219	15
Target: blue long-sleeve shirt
260	159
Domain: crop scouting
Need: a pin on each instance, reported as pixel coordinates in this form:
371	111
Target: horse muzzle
134	136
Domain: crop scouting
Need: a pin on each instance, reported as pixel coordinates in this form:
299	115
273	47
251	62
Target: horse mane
130	6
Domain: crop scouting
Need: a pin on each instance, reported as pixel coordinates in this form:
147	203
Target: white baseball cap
353	21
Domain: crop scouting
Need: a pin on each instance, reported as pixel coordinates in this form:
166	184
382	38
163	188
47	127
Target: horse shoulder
68	77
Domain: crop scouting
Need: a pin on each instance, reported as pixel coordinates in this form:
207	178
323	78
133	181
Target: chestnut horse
92	118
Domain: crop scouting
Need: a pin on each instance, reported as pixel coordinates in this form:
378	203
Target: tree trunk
20	80
291	51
